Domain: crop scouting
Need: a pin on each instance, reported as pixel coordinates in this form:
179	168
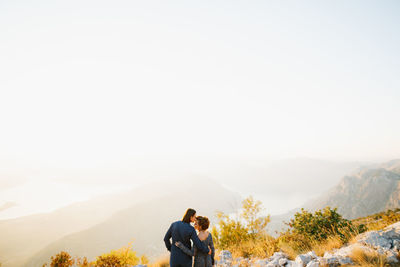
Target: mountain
7	205
145	224
26	236
368	190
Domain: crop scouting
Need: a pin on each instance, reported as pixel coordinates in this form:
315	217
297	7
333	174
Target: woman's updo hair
203	222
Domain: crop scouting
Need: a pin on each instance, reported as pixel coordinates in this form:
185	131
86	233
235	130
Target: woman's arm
185	249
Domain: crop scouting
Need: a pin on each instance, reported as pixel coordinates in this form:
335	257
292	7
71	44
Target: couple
181	233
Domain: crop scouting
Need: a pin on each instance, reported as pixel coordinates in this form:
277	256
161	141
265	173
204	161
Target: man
182	231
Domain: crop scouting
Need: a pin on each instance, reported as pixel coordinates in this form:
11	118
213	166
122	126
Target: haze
99	96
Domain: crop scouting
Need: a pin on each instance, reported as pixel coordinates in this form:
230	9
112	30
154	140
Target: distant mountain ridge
368	190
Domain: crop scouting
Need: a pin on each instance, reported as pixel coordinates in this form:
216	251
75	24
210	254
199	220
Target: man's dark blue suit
183	232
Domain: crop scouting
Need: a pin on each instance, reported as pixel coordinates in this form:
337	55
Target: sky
96	84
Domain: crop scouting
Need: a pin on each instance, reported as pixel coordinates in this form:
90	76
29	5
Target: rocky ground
385	242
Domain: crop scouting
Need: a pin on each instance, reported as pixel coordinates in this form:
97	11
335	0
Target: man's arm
198	243
167	238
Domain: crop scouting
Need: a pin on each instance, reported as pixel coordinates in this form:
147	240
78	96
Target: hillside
26	236
145	224
366	191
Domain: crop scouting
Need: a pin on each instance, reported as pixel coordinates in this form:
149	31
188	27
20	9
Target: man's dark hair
189	213
203	222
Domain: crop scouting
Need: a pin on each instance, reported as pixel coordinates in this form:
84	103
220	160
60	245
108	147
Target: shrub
82	262
322	224
320	231
246	234
144	260
124	256
62	259
108	261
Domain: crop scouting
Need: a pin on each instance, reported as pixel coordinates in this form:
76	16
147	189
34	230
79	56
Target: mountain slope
145	224
368	190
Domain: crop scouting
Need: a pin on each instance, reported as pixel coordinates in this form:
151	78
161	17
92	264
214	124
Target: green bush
322	225
319	231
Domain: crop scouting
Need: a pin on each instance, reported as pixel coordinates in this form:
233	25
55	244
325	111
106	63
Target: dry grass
364	258
161	262
298	245
328	245
261	248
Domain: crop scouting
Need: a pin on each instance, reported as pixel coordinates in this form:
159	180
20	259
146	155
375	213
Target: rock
312	254
345	261
313	263
329	260
225	254
375	240
293	264
279	255
391	233
282	261
274	263
261	263
303	259
392	257
225	258
396	245
345	251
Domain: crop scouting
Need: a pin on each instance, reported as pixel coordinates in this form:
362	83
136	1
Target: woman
201	259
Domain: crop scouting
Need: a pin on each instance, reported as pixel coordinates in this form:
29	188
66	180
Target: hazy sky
88	83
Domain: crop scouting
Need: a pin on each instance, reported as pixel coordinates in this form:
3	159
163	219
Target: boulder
312	254
329	260
261	263
274	263
303	259
313	263
392	257
396	245
375	240
225	258
282	261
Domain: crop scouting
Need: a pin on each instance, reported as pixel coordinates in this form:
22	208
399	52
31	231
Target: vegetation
119	258
368	259
62	259
320	231
244	235
122	257
379	220
161	262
